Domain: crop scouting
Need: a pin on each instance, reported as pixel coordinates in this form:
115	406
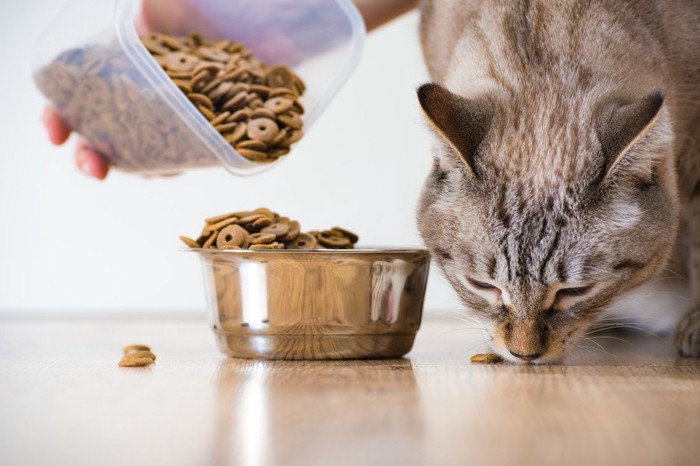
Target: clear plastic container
95	71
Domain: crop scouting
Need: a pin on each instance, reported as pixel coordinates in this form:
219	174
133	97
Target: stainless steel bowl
315	304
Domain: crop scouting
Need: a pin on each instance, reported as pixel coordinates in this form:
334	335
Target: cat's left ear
462	122
621	127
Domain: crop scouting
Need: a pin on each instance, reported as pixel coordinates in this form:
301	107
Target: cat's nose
526	357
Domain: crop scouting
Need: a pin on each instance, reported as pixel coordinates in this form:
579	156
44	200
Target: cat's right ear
462	122
620	125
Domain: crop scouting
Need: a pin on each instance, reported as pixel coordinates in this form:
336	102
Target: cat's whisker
594	342
623	326
617	325
446	332
617	339
603	328
458	314
482	342
455	315
591	348
599	346
587	349
673	272
468	320
656	294
601	271
451	331
610	325
639	321
631	318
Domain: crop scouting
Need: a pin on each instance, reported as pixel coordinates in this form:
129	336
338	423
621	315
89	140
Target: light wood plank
63	400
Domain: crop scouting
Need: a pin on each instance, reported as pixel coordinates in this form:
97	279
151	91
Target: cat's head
541	213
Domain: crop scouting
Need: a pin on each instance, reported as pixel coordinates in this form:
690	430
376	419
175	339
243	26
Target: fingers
90	162
173	17
56	128
87	160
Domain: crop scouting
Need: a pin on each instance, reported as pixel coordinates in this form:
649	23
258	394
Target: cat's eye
486	287
574	292
482	285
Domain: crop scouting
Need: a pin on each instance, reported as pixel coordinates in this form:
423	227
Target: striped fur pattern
566	159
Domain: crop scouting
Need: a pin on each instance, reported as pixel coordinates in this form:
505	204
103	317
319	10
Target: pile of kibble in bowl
264	229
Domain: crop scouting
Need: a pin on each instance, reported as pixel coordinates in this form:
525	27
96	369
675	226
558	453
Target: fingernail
50	129
84	162
85	166
89	164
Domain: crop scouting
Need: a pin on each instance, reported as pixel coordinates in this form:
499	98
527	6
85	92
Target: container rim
364	250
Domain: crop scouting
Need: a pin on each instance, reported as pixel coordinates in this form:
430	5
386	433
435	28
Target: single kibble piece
140	354
232	236
303	241
333	241
139	362
277	229
130	348
189	242
137	356
262	238
348	234
262	129
279	104
488	358
294	230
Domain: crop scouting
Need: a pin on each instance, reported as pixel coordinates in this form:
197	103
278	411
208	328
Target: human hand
154	15
87	160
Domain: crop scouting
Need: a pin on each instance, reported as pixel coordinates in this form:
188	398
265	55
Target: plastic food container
315	304
94	70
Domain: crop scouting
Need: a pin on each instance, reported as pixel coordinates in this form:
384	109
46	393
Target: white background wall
69	243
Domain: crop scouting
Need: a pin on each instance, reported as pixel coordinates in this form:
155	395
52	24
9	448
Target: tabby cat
567	160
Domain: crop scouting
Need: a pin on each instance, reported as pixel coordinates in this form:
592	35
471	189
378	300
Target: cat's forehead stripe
531	229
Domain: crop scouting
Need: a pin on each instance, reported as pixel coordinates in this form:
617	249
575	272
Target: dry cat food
256	108
104	97
488	358
264	229
137	356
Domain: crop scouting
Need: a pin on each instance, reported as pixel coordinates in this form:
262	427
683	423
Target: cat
567	160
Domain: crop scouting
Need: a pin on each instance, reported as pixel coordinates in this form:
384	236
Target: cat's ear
461	122
620	125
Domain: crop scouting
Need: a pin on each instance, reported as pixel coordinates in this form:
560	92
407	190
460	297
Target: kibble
130	348
225	78
137	356
263	229
487	358
140	362
97	91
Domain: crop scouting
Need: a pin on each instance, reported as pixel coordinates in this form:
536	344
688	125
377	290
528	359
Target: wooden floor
64	401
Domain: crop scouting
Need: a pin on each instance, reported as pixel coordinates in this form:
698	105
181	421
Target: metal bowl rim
325	252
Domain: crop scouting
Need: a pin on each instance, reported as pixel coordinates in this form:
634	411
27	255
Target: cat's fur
567	156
